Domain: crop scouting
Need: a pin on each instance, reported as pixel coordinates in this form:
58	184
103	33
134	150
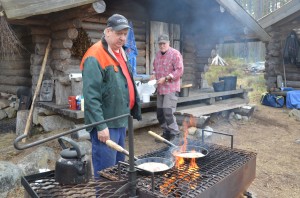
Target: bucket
229	82
218	86
184	92
146	98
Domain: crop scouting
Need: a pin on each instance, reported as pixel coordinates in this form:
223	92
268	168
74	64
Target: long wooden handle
158	137
37	90
116	147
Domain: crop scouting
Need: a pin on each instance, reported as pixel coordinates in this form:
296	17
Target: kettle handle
72	142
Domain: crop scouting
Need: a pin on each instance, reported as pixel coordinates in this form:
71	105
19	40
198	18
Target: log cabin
195	28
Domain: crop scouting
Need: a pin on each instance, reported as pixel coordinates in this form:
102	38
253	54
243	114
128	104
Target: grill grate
219	163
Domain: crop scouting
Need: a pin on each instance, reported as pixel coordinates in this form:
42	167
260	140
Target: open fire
184	175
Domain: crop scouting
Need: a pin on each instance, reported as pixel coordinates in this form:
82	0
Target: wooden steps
203	109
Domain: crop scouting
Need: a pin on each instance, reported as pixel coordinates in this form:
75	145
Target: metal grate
44	185
221	167
217	165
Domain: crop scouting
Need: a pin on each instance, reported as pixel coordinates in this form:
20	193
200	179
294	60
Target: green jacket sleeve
92	77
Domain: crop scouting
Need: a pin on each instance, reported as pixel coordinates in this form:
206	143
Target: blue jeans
104	156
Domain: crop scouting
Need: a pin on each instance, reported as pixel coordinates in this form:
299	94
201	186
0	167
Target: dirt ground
270	133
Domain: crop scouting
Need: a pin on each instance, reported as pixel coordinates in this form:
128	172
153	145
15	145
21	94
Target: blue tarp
293	99
131	49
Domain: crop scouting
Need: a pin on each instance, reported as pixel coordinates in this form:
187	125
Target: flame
189	175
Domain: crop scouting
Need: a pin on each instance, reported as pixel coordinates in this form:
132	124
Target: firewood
70	33
62	43
61	54
94	34
93	26
15	80
81	44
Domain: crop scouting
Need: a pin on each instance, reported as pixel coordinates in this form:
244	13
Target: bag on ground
272	100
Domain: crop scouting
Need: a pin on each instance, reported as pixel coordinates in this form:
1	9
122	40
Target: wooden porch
198	103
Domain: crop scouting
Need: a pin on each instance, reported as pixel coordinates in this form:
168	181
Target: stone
81	134
246	110
10	177
295	113
205	133
39	159
22	117
231	115
4	103
11	112
2	114
245	118
54	122
237	116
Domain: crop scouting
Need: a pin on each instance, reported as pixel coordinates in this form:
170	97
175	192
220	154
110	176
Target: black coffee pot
73	167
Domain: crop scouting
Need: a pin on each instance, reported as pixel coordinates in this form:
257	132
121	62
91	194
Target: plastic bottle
82	103
282	86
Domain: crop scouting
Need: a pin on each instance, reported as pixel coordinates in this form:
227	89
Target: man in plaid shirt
167	70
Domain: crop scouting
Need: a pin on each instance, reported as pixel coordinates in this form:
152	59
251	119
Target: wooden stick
37	90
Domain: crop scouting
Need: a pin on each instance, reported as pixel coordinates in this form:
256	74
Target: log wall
274	62
15	71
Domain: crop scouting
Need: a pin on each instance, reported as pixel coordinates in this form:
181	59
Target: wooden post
29	120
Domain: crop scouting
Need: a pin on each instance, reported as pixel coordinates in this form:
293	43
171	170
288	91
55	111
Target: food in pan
190	155
153	166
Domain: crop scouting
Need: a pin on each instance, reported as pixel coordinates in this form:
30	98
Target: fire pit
225	172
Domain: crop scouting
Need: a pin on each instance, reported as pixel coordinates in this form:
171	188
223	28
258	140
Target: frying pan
184	151
164	161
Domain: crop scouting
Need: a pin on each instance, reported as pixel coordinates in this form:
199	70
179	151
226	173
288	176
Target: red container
72	102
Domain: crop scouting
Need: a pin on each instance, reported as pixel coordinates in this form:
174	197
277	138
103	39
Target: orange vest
104	59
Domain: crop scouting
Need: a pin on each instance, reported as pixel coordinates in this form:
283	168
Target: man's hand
161	80
103	135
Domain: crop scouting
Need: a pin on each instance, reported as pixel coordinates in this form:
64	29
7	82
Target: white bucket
146	98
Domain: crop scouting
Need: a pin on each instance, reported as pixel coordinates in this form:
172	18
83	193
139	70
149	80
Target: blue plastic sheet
293	99
131	49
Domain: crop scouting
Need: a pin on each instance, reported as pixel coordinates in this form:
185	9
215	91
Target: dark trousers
166	106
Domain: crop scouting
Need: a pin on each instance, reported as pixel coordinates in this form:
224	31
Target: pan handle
117	147
158	137
25	146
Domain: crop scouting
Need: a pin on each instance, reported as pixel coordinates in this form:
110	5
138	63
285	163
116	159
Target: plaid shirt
168	64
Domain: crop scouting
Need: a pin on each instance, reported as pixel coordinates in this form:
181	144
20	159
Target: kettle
73	166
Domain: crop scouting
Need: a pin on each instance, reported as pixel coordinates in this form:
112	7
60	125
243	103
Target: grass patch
237	67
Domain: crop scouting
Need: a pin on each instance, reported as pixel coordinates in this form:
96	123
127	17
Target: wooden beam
16	9
280	14
241	15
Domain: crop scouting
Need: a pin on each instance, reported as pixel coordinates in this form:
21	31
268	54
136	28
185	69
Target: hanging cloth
131	49
291	49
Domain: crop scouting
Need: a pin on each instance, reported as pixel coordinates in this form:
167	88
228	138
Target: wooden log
94	40
15	72
15	64
39	30
142	53
188	55
92	26
292	76
11	89
61	54
40	38
141	45
141	61
62	25
40	48
15	80
60	64
294	84
35	70
140	69
140	31
75	61
97	19
70	33
94	34
188	61
37	59
140	37
79	12
62	43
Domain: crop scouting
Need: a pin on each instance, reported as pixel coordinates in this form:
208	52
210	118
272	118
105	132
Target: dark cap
117	22
163	38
